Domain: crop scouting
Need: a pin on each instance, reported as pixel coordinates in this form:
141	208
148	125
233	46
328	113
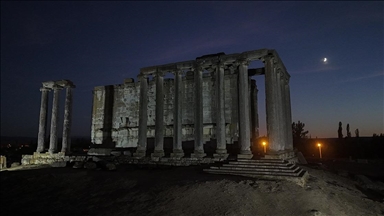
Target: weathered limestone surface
125	116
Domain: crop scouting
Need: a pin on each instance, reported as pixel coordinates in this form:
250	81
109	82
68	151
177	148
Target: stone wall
115	114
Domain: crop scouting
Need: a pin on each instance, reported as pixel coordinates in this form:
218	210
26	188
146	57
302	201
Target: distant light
318	144
264	143
325	60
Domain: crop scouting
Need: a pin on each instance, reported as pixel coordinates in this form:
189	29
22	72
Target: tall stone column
159	126
54	120
42	119
199	147
245	151
143	118
66	143
221	150
177	116
272	104
289	144
255	112
281	109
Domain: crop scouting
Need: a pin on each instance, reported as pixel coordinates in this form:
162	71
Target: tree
357	132
298	130
348	132
340	131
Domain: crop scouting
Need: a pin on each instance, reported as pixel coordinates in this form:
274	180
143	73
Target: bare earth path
176	191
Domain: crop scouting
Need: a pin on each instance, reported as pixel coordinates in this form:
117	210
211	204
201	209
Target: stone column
221	151
42	119
66	143
281	109
255	112
159	125
272	104
54	120
199	147
289	144
245	151
143	108
177	116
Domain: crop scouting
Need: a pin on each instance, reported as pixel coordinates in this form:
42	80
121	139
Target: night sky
102	43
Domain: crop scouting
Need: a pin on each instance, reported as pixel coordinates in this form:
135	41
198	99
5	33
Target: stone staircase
269	169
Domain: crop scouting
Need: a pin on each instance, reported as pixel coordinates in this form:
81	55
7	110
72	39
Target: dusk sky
102	43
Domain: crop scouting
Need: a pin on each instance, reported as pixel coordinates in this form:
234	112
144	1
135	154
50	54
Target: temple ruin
56	86
209	98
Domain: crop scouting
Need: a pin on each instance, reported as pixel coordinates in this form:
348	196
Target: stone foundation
60	160
288	155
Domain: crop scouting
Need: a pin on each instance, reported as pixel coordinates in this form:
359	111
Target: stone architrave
54	120
66	143
245	150
198	79
142	142
221	150
159	126
177	116
42	119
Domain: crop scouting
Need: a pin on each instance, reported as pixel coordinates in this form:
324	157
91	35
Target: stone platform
275	169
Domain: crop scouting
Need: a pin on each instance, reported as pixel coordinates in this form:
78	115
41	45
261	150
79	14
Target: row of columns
244	111
66	141
278	107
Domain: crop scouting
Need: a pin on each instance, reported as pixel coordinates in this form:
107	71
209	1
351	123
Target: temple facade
209	98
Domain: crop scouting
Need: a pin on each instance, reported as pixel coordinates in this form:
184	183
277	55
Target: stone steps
262	169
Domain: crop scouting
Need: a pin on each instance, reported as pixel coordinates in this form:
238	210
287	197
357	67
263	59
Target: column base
39	150
220	156
177	153
158	154
139	153
245	154
198	154
282	155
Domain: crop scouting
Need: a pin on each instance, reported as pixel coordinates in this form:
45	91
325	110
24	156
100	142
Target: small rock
15	164
90	165
110	166
78	165
59	164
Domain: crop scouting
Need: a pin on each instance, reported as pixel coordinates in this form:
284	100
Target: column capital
178	71
45	89
242	61
57	87
159	73
142	76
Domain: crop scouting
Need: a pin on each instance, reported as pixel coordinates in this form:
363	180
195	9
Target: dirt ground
180	191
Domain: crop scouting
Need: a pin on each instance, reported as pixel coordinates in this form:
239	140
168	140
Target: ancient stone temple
209	98
56	87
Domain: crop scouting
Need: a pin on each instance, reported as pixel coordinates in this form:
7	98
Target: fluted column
42	119
177	116
159	125
221	150
255	113
199	148
245	151
66	143
143	108
54	120
281	110
289	144
272	103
